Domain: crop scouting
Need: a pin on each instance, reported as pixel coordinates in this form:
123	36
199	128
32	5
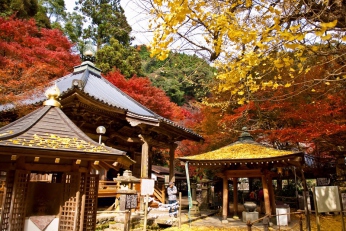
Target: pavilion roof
87	80
241	150
245	151
48	132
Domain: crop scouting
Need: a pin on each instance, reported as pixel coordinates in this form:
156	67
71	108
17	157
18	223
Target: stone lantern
205	185
126	198
125	186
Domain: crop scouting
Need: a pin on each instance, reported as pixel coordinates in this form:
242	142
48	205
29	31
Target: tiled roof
88	79
48	128
246	150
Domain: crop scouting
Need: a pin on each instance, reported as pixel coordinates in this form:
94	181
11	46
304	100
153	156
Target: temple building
52	159
248	159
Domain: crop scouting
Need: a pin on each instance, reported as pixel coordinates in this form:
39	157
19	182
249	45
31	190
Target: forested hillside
183	77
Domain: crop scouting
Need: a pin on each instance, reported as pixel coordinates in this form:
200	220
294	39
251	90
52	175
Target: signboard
327	199
147	187
131	201
323	181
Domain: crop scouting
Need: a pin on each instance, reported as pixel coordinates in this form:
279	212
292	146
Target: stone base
224	221
249	216
195	210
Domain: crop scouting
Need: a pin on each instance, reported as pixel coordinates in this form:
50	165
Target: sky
136	18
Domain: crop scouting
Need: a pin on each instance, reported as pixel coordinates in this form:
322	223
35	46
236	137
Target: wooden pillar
266	195
279	183
225	199
150	161
172	148
235	197
271	194
145	157
251	188
307	213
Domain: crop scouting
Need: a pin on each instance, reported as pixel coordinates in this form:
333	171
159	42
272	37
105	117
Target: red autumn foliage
141	89
30	57
311	119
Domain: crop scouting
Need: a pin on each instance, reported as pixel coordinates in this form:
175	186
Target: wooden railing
107	188
160	193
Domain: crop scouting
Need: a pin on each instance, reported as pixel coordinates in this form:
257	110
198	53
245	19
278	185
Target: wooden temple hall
52	159
248	159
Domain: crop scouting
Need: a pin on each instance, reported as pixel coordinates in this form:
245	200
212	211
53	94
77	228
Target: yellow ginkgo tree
254	44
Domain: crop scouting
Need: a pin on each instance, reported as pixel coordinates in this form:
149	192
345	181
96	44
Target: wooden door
14	206
70	202
89	192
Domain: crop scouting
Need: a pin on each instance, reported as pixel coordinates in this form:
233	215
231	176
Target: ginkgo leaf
292	45
329	25
326	37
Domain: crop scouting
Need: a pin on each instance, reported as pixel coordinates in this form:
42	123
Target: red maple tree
30	57
309	116
141	89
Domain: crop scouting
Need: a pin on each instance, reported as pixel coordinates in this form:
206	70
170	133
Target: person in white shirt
172	198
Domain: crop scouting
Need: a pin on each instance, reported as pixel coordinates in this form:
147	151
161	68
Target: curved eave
296	159
87	99
133	118
185	133
8	149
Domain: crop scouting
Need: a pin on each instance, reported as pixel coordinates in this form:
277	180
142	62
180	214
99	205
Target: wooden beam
7	166
244	173
48	167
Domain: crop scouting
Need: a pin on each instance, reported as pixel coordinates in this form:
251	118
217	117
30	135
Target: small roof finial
52	94
88	52
245	135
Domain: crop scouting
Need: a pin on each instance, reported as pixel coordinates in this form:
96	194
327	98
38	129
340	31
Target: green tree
181	76
73	29
54	10
115	55
25	9
105	20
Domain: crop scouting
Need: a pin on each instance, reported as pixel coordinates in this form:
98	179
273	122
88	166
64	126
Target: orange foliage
31	57
141	89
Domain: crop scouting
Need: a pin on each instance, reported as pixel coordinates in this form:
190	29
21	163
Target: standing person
252	196
172	198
